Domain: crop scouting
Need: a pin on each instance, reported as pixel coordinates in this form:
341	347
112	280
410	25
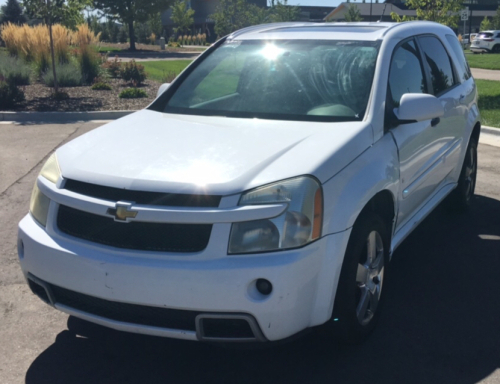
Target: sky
325	3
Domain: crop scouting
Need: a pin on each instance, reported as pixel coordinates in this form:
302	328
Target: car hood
154	151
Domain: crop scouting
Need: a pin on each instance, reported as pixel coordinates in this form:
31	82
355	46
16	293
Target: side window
439	64
459	52
406	74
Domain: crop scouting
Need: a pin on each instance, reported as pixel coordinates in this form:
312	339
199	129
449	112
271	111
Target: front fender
348	192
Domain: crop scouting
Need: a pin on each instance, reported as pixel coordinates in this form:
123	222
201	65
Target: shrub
83	36
10	95
14	70
100	85
68	75
90	63
133	72
62	40
132	93
113	68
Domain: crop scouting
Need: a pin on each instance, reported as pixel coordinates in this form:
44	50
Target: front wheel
359	294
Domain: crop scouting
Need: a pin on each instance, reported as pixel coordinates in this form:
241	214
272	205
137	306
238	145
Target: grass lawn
489	102
158	70
484	60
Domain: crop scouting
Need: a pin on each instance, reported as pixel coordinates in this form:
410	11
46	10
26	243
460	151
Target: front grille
159	237
141	197
127	313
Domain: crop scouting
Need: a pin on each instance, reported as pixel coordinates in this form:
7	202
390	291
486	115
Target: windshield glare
293	80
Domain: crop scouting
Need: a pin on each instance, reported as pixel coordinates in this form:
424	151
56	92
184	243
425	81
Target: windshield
292	80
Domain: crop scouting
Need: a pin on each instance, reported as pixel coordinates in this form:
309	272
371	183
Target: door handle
435	121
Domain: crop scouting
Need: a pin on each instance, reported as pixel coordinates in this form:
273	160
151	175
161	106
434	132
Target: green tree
280	11
12	13
182	16
155	24
496	19
231	15
130	11
353	13
440	11
485	24
122	35
113	30
67	12
142	32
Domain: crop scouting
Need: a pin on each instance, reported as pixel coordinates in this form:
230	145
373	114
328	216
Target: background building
479	9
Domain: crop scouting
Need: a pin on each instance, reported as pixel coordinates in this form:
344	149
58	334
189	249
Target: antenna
382	15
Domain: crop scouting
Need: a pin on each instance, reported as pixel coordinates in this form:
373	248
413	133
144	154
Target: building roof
377	9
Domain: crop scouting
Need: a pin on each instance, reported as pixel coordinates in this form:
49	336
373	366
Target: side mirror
162	89
415	107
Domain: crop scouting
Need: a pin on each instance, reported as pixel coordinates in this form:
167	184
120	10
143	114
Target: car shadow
440	324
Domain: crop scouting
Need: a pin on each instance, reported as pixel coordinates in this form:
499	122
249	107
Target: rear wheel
462	197
359	295
496	49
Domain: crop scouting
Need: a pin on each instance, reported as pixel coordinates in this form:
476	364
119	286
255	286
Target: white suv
486	41
264	191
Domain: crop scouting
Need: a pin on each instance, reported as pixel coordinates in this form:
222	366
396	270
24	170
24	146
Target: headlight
39	206
298	225
39	203
50	169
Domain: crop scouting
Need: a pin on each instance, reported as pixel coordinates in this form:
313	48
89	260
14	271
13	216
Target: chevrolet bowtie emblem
122	212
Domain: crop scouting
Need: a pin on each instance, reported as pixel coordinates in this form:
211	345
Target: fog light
264	286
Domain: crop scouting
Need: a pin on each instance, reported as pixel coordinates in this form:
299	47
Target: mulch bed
38	98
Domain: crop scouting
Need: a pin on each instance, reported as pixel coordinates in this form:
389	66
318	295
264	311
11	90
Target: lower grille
159	237
208	326
127	313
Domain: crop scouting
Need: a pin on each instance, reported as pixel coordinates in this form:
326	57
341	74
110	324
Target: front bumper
304	281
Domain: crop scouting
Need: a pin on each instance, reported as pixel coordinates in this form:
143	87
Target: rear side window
406	74
439	64
462	61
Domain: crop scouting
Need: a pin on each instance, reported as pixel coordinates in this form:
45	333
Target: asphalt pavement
441	321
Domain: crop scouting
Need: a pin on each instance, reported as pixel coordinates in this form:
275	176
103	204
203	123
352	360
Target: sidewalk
485	74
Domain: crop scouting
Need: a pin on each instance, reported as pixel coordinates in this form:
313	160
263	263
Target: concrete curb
491	130
61	117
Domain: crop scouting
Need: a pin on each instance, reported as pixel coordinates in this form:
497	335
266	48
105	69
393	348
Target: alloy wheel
369	278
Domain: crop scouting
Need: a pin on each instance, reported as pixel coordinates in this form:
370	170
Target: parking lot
441	322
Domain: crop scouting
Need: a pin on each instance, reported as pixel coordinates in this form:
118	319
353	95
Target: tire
496	49
359	296
461	199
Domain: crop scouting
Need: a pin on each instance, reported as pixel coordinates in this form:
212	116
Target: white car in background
468	38
264	191
486	41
